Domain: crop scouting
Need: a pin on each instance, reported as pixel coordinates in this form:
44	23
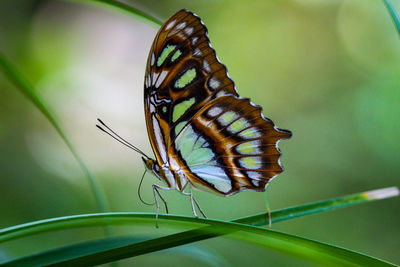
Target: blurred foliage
327	70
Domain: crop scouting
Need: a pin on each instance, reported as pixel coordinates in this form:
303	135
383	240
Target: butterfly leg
193	202
156	192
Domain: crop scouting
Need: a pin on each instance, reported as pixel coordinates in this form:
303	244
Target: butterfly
203	134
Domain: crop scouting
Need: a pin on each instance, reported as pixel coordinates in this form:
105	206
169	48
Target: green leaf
85	248
84	255
126	8
314	251
393	14
320	206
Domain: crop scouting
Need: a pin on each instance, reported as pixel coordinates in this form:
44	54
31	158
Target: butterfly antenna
140	186
119	138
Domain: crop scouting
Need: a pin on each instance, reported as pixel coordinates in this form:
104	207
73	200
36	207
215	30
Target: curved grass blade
393	14
185	237
54	255
28	90
86	220
85	248
285	243
320	206
148	18
124	7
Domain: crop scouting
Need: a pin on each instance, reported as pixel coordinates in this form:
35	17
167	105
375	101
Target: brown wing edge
286	132
287	135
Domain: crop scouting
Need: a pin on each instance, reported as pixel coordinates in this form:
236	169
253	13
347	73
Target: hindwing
229	146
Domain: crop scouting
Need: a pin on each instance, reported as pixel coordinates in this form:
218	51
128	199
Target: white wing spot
255	182
153	77
188	31
161	78
214	83
197	52
194	40
152	59
254	175
214	111
181	25
221	93
206	66
169	26
148	80
159	139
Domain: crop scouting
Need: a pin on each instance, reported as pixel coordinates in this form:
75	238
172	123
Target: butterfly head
152	166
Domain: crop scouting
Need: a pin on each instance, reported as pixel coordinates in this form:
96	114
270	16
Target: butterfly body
203	134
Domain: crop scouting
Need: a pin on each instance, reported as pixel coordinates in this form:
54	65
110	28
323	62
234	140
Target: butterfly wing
182	73
196	121
229	146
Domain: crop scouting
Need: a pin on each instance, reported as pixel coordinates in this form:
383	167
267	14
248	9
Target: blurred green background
326	70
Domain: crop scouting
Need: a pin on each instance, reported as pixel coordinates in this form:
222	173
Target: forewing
182	74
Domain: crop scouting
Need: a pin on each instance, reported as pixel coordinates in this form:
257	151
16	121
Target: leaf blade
191	236
289	244
394	15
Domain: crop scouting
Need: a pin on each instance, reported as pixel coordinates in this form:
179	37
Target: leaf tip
382	193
